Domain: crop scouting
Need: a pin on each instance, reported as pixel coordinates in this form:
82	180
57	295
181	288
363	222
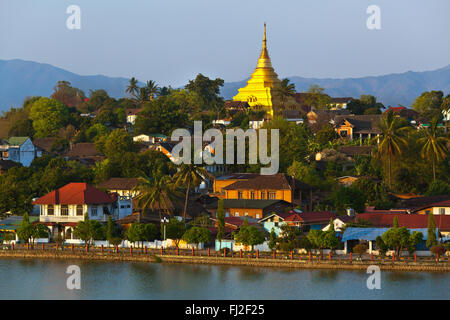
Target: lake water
46	279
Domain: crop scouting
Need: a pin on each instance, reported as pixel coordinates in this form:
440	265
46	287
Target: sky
171	41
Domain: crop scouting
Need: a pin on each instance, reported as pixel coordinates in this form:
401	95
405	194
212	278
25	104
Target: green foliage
375	193
360	249
220	215
139	232
398	239
208	91
382	247
348	197
48	117
197	235
428	104
437	188
431	232
89	230
26	229
366	104
249	235
174	230
273	239
41	231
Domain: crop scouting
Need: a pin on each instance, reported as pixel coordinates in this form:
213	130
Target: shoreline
235	261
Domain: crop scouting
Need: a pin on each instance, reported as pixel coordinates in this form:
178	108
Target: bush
227	250
439	250
360	249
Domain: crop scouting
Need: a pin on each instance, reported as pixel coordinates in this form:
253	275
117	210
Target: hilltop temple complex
261	89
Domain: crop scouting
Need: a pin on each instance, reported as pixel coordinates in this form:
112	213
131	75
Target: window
263	195
252	195
236	214
272	195
246	214
50	210
64	210
257	216
94	211
441	210
79	210
343	133
240	195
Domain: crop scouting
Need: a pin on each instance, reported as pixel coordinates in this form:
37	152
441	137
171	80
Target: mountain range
19	79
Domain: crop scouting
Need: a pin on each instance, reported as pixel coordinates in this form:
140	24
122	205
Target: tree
395	222
434	145
41	231
382	247
89	230
152	89
392	141
429	104
132	87
288	239
156	193
48	117
66	94
190	175
116	144
317	240
139	232
249	235
197	235
360	249
220	216
348	197
438	187
316	98
174	230
272	239
398	239
431	231
113	232
285	91
26	229
331	241
207	90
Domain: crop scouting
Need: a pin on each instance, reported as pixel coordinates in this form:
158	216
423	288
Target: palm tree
433	145
132	88
392	142
190	175
152	89
142	95
285	91
156	193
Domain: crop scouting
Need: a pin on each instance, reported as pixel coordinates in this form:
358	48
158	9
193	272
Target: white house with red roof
62	209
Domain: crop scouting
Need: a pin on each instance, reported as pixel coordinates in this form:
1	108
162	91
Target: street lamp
164	221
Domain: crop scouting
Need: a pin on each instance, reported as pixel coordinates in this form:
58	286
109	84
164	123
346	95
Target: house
19	149
446	114
236	106
223	122
45	144
10	224
340	222
121	186
265	187
84	152
255	209
132	115
5	165
362	127
436	208
339	103
421	204
151	138
232	224
304	220
355	151
63	208
353	236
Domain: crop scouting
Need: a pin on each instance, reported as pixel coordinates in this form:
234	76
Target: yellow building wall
246	194
246	212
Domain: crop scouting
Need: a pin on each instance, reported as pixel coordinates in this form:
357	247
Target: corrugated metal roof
372	233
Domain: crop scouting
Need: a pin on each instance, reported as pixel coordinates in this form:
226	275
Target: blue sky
171	41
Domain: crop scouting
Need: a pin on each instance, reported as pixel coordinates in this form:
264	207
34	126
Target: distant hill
391	89
19	79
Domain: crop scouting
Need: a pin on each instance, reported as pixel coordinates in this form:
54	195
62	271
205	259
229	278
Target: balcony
101	218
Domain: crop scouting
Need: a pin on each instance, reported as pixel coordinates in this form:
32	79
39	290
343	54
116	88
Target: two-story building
362	127
62	209
19	149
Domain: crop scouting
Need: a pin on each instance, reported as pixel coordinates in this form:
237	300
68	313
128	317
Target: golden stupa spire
263	80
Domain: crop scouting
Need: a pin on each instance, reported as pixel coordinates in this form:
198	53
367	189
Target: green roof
245	203
17	141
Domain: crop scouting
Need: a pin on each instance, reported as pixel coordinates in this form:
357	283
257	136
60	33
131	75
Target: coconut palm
152	89
132	88
156	193
433	145
285	91
190	175
393	141
142	95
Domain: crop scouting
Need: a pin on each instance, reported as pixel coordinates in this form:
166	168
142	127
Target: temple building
261	89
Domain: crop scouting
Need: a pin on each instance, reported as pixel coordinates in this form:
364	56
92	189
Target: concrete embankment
250	262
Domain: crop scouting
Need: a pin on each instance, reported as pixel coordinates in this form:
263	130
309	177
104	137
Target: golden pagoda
262	84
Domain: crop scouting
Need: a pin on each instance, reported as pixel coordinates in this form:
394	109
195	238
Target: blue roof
372	233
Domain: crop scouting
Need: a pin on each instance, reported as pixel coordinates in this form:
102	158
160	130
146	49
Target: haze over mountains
19	79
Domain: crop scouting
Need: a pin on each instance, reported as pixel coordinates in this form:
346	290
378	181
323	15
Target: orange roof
75	193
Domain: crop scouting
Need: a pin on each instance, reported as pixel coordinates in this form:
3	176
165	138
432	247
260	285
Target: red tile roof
76	193
412	221
306	217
